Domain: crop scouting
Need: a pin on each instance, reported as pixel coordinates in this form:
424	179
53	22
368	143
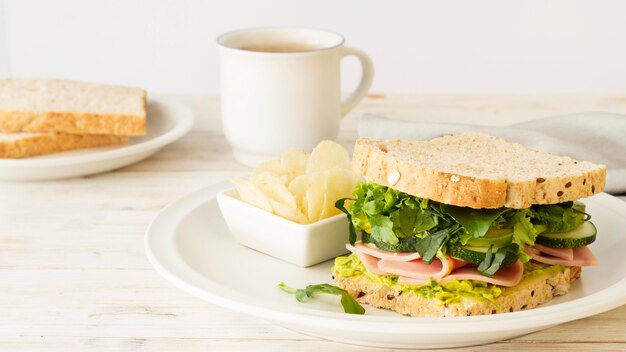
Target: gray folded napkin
594	136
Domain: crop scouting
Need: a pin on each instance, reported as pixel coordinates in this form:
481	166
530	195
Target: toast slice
53	105
537	287
477	170
23	145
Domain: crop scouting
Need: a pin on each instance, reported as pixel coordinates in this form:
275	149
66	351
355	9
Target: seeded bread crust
529	293
476	170
25	145
53	105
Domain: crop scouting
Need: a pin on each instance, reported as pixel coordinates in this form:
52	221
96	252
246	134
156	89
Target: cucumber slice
496	237
476	255
404	244
581	236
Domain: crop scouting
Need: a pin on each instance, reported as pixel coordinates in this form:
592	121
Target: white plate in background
166	122
189	244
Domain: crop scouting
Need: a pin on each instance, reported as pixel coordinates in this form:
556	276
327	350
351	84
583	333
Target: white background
418	46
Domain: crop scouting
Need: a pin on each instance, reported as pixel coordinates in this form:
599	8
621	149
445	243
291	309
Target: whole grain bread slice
54	105
532	291
476	170
23	145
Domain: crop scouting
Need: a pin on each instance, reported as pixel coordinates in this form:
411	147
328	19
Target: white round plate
167	121
189	244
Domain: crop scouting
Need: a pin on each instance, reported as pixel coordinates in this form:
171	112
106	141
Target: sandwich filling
450	291
418	245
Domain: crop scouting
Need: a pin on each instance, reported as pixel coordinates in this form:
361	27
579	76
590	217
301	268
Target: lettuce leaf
382	229
523	230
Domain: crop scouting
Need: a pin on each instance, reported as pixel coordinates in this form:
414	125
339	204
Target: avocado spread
450	292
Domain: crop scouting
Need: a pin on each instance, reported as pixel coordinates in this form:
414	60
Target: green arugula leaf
561	217
475	221
403	220
425	221
340	204
301	295
287	289
350	305
428	246
464	236
493	262
409	222
404	244
486	263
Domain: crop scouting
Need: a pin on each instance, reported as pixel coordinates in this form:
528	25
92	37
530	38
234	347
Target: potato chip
274	188
273	166
301	187
251	194
267	177
287	212
325	209
337	183
315	197
328	155
298	187
293	163
340	183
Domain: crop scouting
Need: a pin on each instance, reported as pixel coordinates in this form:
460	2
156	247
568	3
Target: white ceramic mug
280	88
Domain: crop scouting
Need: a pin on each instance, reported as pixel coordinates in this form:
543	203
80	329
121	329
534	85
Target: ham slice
417	269
508	277
563	253
369	261
581	257
375	252
413	271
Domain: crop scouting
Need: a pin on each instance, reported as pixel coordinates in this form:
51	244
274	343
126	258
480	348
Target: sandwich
42	116
465	224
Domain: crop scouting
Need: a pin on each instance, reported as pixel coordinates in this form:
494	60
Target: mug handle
367	77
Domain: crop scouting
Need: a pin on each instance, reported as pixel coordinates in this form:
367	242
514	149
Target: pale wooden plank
316	346
609	326
198	151
90	222
71	343
115	303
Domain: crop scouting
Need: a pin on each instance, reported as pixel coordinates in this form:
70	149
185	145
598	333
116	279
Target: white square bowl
302	245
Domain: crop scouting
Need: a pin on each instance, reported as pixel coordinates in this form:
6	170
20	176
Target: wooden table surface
74	276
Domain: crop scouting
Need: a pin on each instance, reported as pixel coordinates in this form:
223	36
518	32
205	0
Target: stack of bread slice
43	116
